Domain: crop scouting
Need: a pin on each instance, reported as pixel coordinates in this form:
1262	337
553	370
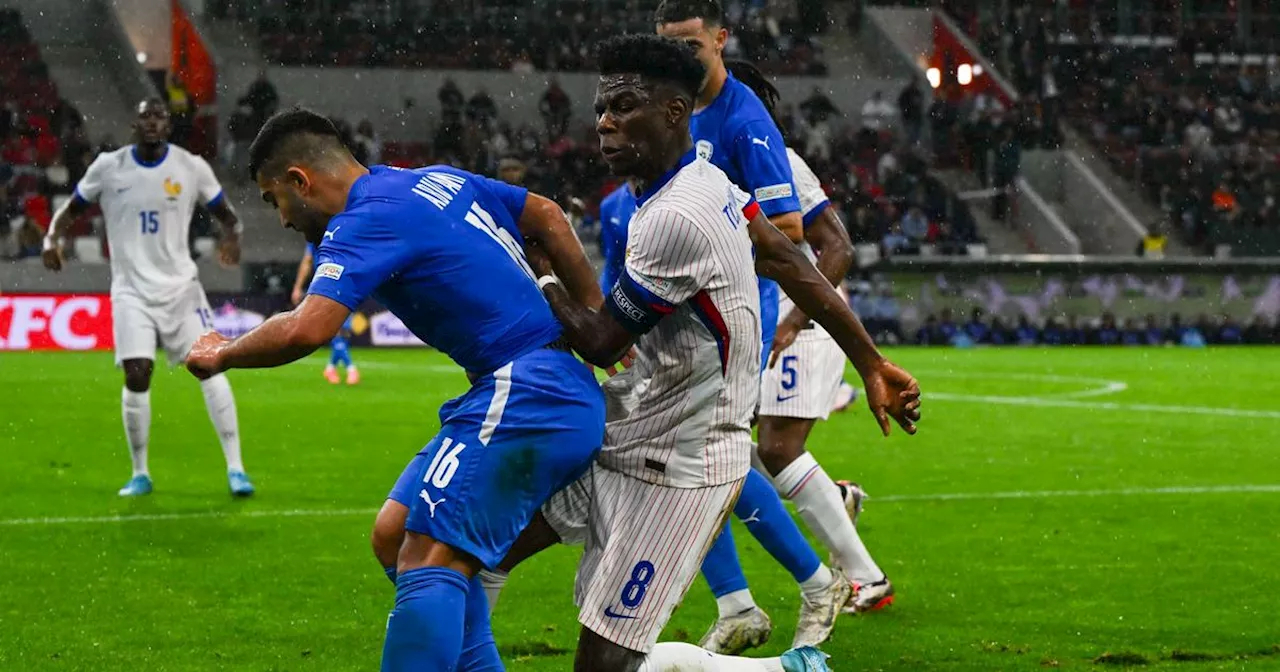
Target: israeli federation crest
705	150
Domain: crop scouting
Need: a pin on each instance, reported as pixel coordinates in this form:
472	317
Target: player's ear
722	36
297	177
677	109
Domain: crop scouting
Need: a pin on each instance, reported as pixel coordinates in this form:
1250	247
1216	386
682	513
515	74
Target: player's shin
479	652
135	408
425	630
817	498
680	657
761	509
221	404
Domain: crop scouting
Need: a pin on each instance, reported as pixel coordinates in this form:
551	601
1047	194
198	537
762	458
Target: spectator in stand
1108	332
947	326
182	110
1258	332
887	316
512	171
877	117
896	242
1132	334
1153	334
1229	331
915	226
818	108
1053	333
1073	333
451	101
999	334
911	109
930	334
481	109
556	109
976	328
1026	333
367	144
261	99
1153	243
1007	165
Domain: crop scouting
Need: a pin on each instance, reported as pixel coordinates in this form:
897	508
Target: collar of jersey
729	81
149	164
663	179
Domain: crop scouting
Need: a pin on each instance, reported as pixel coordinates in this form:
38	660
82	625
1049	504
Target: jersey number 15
150	221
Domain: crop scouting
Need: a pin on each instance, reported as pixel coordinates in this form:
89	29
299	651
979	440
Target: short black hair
653	57
675	11
294	134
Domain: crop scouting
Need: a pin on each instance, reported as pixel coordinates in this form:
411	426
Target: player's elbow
310	335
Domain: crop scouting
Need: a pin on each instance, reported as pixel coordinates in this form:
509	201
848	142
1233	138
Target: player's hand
229	251
628	360
539	260
893	393
205	359
51	255
297	295
786	335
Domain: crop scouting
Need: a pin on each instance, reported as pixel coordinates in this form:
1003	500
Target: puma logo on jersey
173	189
427	498
329	234
763	143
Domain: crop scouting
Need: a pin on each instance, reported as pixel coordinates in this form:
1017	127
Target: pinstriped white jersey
812	201
681	416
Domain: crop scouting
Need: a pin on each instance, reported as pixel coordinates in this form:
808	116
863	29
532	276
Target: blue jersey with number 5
439	247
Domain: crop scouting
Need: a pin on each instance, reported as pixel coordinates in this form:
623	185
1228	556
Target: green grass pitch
1074	509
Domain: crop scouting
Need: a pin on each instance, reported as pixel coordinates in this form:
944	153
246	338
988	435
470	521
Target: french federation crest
705	150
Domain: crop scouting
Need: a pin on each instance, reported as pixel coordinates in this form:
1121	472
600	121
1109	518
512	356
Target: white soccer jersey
681	416
148	211
813	200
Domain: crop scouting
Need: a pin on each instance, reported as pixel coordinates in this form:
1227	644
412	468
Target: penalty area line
190	515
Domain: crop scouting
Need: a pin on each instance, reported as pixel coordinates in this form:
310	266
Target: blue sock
761	509
339	351
424	632
391	574
479	652
721	567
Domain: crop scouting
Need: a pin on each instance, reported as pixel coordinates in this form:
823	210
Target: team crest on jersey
705	150
172	189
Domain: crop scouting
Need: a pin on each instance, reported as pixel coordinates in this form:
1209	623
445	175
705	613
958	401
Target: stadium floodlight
935	77
964	74
142	57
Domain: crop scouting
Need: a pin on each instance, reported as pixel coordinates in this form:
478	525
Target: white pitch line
935	497
1103	405
192	515
1048	494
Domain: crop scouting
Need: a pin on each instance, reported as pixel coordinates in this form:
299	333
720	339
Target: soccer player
616	211
802	385
148	192
340	346
678	438
443	250
733	130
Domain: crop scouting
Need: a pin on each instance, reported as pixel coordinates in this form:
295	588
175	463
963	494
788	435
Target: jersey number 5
150	221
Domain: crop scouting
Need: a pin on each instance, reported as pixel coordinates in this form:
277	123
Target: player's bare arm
229	245
593	333
891	391
51	253
791	224
830	242
542	224
285	338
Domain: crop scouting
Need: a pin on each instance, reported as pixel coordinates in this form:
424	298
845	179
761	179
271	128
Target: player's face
291	196
152	124
709	39
631	123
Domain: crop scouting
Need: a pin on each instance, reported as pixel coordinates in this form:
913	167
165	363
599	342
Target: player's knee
137	374
597	654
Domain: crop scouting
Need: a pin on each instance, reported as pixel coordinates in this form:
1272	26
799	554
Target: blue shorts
515	438
768	317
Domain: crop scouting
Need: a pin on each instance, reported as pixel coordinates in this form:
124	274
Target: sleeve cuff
217	198
813	214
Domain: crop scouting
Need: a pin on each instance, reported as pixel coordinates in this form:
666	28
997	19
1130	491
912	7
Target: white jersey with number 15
148	208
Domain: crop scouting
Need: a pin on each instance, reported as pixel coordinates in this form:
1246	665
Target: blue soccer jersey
736	133
439	247
615	216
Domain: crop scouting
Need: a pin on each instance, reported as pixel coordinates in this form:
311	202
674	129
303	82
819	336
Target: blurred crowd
946	329
523	36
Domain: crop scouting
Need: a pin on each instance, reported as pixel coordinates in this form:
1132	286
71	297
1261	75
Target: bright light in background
977	69
935	77
964	74
142	57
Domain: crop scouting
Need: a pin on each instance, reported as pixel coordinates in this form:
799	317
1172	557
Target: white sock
732	604
135	408
493	581
221	405
817	498
818	582
680	657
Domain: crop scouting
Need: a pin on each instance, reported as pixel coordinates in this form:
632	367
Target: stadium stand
549	35
1188	110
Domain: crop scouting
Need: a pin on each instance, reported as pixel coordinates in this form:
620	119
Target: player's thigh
134	328
805	380
183	321
645	545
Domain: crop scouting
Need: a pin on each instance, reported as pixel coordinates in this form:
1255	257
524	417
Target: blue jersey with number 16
439	247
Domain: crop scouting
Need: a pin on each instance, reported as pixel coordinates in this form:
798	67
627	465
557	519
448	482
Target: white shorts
177	324
806	379
644	546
